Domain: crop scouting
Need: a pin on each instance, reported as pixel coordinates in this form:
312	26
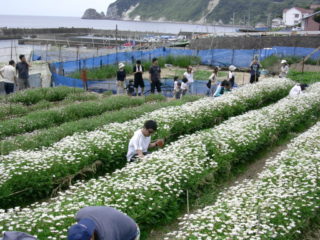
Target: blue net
212	57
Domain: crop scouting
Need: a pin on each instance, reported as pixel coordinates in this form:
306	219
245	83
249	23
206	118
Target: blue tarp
213	57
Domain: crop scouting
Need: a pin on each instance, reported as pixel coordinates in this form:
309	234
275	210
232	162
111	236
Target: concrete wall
255	42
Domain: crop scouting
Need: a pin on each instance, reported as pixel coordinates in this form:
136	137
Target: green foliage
274	60
48	118
317	17
192	10
306	77
33	96
110	71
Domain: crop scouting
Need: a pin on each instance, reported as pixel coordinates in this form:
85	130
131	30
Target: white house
277	22
294	16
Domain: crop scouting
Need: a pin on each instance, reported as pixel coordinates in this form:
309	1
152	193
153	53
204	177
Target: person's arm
1	72
158	143
134	70
150	73
138	147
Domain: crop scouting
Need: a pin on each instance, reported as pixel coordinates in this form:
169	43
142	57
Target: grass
306	77
110	71
275	60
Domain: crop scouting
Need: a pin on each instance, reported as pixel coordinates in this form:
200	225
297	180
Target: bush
40	171
306	77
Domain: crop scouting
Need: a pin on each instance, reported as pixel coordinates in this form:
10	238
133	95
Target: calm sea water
11	21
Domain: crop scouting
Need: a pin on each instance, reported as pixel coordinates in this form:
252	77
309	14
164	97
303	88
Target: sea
10	48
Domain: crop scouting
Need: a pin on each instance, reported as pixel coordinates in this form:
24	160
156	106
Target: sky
72	8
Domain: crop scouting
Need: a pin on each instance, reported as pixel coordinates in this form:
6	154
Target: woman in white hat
121	77
284	70
231	76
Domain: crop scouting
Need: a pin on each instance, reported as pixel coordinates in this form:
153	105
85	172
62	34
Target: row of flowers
151	191
48	136
277	205
33	174
53	117
10	110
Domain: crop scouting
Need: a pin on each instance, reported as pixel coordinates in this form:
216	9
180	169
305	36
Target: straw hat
283	61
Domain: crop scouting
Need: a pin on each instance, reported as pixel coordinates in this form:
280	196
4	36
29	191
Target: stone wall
255	42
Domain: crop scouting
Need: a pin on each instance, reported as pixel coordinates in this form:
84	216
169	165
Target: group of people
138	81
10	72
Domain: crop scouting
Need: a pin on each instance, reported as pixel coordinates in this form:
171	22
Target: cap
121	65
83	230
283	61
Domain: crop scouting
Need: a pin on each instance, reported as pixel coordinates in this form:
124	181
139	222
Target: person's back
109	224
17	236
297	90
8	73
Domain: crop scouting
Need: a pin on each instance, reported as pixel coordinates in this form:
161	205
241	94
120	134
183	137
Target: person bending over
140	143
103	223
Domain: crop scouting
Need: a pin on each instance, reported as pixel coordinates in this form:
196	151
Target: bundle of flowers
151	190
277	205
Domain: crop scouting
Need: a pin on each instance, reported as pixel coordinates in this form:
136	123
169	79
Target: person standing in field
212	83
223	87
231	75
189	75
121	77
284	69
23	73
255	70
8	73
184	86
155	76
138	70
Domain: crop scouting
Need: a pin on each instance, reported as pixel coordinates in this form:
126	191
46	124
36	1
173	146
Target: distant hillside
209	11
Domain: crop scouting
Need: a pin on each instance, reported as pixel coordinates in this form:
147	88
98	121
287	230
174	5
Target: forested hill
209	11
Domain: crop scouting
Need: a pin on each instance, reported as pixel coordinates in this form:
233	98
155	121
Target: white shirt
175	86
231	74
189	76
295	91
184	86
284	71
213	78
9	73
138	142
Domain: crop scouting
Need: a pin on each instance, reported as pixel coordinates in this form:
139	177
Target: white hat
283	61
232	68
121	65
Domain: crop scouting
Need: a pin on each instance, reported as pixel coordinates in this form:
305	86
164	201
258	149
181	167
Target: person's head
149	128
189	69
227	85
179	84
155	61
184	80
138	62
232	68
83	230
303	86
224	83
121	66
215	70
175	78
22	58
11	62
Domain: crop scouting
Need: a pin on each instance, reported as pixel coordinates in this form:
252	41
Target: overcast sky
52	8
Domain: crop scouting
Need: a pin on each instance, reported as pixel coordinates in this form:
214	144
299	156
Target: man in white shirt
189	75
297	90
141	141
8	74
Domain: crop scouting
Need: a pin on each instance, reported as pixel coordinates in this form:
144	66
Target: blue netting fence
211	57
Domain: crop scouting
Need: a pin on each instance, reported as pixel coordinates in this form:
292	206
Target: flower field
277	205
153	190
34	174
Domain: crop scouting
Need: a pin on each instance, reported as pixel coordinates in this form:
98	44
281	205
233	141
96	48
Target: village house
308	24
294	16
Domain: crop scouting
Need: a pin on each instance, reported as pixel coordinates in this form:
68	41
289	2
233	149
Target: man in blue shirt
23	73
103	223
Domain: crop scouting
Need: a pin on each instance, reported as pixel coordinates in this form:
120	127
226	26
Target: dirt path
250	172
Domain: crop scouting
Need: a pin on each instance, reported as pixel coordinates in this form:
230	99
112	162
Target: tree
317	16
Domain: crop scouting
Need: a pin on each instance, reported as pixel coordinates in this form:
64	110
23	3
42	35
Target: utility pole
234	14
249	18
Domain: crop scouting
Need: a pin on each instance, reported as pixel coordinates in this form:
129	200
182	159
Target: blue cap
83	230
